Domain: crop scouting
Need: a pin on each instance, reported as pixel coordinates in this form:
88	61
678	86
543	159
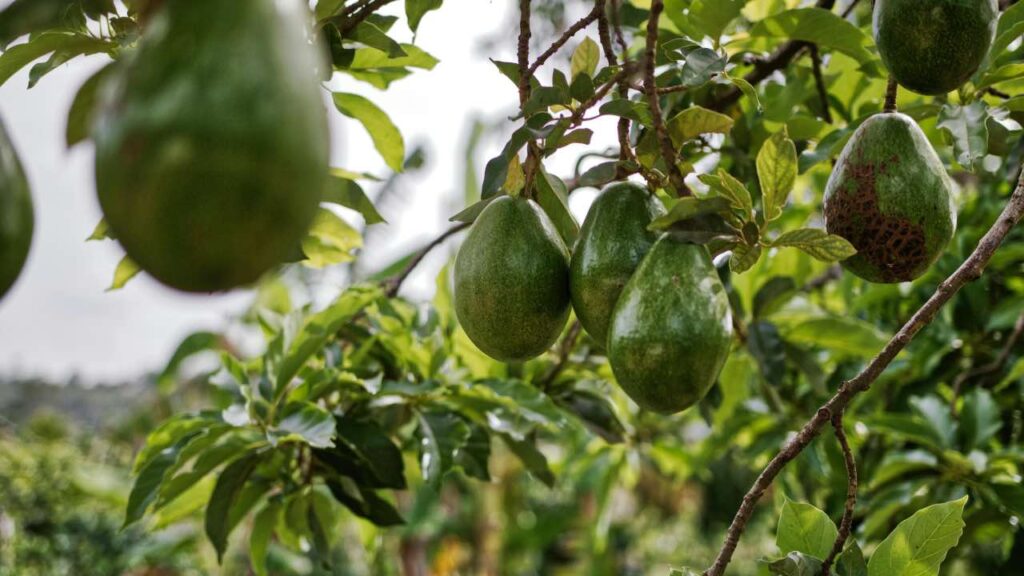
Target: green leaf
596	412
365	453
532	458
553	198
226	493
840	334
474	457
712	16
496	171
817	243
695	121
167	435
821	27
190	346
701	66
906	427
744	256
1010	28
319	327
22	17
979	419
374	37
100	232
83	107
728	187
373	60
636	111
599	175
308	422
746	88
17	57
469	215
416	9
967	125
851	562
262	531
1002	74
804	528
795	564
150	479
386	137
330	240
365	503
442	435
920	543
585	59
344	191
125	271
776	171
689	208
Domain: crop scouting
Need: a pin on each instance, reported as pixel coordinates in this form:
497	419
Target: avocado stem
890	95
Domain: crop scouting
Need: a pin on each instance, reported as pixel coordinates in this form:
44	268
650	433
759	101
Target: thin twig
571	31
626	155
851	494
523	52
347	22
849	9
970	270
891	91
819	80
998	93
995	366
668	151
393	285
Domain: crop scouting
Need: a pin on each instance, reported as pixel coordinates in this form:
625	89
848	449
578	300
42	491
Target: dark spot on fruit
895	246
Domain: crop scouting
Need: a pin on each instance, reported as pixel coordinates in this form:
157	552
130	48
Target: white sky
58	321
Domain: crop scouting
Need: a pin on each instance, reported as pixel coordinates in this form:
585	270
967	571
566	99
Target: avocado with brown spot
212	142
17	219
512	281
890	196
934	46
671	331
613	241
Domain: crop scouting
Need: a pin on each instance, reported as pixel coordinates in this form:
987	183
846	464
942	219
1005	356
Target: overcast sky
58	321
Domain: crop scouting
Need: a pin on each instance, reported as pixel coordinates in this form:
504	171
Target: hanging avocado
613	240
17	220
512	281
212	144
890	196
671	330
933	46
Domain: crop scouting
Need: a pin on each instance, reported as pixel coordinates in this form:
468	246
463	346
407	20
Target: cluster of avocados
212	143
655	303
889	194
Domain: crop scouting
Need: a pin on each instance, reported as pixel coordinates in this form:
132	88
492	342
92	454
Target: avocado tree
797	302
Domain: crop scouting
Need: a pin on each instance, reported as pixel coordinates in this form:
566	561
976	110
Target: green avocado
212	143
613	240
17	219
933	46
671	330
891	197
512	281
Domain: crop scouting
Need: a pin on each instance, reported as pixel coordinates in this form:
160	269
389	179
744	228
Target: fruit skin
891	197
613	241
17	219
212	144
671	330
512	281
933	46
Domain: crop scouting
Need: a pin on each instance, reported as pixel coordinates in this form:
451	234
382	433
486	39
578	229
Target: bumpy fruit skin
17	219
933	46
891	197
212	145
671	331
613	241
512	281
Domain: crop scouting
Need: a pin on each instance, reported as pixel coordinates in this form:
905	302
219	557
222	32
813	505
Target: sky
58	321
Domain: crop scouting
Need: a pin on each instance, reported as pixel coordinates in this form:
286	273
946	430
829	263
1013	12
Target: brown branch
995	366
766	67
626	154
571	31
393	285
851	494
819	80
668	151
849	9
970	270
891	91
348	21
523	52
998	93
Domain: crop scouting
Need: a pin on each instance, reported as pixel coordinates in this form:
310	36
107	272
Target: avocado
613	240
212	142
890	196
933	46
17	219
671	330
512	281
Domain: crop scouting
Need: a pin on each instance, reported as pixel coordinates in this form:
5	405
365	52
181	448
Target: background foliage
371	437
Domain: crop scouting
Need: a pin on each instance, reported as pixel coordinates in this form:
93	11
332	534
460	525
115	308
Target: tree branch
393	285
819	80
668	151
891	91
851	494
347	21
571	31
970	270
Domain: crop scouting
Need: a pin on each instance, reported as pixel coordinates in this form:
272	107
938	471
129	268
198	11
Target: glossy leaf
817	243
920	543
226	494
776	171
385	135
806	529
